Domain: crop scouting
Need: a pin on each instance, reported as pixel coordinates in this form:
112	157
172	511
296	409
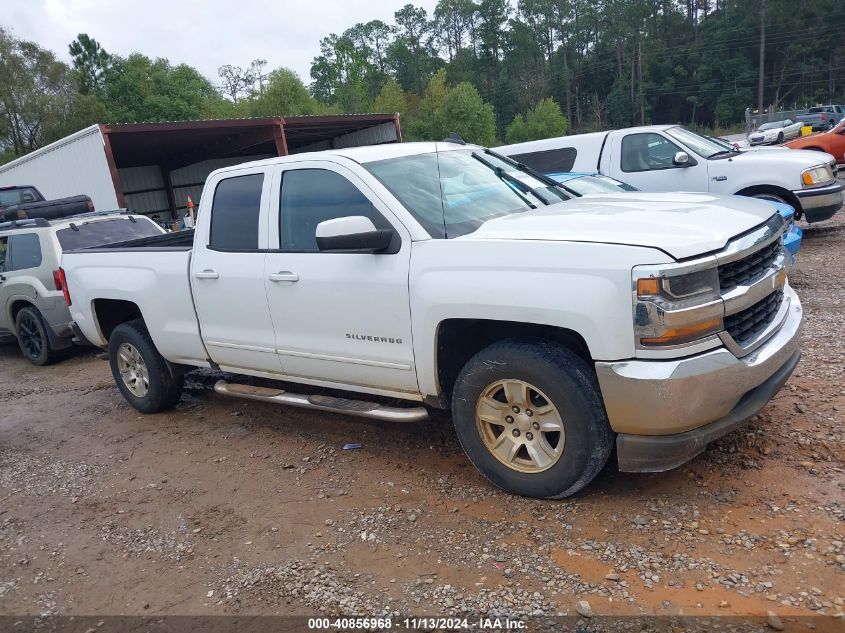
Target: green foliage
37	93
545	120
284	94
90	61
391	98
137	88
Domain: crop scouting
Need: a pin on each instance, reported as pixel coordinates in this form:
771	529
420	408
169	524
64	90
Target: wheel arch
786	194
459	339
109	313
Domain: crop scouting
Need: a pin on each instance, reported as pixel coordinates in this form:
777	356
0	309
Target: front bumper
665	412
821	203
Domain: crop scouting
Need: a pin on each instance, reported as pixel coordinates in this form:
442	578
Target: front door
340	317
227	275
647	162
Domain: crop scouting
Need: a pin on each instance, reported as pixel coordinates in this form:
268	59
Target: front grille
748	269
746	325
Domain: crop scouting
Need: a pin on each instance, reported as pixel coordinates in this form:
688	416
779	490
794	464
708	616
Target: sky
205	34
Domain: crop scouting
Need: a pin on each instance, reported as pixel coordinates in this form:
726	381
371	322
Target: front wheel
770	196
780	138
530	417
144	377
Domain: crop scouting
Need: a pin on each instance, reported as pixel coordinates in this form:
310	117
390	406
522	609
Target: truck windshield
102	232
454	192
701	145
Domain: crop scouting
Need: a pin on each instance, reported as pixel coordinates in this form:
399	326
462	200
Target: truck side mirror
682	159
352	233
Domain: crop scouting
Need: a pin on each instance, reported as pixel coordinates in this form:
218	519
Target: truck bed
178	240
154	278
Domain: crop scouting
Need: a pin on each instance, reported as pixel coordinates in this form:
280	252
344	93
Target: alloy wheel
133	370
520	426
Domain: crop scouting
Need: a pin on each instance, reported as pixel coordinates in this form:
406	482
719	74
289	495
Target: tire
542	373
31	332
780	138
765	195
144	377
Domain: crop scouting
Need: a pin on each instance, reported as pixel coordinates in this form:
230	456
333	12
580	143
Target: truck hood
680	224
777	159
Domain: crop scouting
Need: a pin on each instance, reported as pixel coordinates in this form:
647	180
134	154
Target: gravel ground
228	507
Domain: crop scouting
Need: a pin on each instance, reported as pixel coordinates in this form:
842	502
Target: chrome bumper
821	203
657	397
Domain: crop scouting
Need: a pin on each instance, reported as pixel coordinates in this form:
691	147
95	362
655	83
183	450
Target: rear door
227	272
4	292
340	317
645	160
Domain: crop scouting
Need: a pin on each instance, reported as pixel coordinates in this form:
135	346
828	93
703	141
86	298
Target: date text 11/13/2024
414	624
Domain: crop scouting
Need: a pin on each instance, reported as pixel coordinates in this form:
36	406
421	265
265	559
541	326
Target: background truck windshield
701	145
453	193
105	232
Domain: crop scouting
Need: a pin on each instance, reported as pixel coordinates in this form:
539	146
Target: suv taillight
61	284
90	204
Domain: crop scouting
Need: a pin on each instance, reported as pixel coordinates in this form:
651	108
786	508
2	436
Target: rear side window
550	161
234	213
311	196
25	252
102	232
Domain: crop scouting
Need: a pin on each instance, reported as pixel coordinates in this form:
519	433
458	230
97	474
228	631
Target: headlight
676	309
818	175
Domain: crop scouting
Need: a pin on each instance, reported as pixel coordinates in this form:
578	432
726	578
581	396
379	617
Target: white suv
32	305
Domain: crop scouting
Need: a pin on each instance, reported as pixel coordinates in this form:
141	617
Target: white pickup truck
446	276
673	158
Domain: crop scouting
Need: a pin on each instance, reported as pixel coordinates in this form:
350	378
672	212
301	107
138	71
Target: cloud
205	34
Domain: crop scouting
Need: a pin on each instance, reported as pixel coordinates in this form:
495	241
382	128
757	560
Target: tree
391	98
285	94
545	120
137	88
464	111
235	81
90	61
36	96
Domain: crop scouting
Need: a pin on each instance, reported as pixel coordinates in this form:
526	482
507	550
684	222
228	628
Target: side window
551	161
234	213
648	151
3	244
26	252
311	196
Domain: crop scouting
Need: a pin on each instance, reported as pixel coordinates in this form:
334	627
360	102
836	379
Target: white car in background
775	132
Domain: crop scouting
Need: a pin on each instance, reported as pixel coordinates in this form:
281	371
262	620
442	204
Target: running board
360	408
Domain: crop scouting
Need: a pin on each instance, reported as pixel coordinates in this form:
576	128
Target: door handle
284	275
207	274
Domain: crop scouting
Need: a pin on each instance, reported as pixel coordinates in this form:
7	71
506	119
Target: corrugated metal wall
144	188
74	165
376	135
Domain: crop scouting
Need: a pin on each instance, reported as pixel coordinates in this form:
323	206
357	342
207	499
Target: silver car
33	309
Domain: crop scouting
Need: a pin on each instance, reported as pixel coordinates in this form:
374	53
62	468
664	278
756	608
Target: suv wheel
144	377
32	337
529	415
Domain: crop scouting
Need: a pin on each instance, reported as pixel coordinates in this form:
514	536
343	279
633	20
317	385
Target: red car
832	142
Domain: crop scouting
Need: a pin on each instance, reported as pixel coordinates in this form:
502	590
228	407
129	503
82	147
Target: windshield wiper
546	180
723	152
505	175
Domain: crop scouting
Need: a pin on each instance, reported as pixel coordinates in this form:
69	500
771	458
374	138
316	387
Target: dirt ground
224	506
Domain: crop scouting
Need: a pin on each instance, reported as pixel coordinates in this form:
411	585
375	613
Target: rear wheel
530	417
33	340
144	377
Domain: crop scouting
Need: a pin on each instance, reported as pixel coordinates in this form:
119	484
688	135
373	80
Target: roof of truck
363	154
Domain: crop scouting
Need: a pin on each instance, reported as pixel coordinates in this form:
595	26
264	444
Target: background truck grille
746	325
748	269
